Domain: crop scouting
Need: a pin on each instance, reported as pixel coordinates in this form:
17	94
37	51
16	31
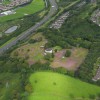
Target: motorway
31	30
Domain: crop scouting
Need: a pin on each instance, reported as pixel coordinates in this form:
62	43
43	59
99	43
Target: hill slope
53	86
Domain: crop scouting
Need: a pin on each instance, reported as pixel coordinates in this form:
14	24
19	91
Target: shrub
68	53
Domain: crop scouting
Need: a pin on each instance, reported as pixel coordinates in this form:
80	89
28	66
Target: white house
49	50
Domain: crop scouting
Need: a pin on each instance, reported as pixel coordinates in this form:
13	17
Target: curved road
25	34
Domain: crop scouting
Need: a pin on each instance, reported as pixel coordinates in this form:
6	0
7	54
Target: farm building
49	50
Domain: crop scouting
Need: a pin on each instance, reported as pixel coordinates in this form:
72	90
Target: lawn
54	86
70	63
33	7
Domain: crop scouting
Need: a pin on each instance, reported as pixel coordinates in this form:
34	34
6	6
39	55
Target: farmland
60	87
33	7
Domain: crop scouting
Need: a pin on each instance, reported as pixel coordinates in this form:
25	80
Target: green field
33	7
53	86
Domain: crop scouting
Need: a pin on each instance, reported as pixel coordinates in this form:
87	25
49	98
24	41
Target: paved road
25	34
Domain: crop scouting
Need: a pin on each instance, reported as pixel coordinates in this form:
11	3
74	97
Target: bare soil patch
70	63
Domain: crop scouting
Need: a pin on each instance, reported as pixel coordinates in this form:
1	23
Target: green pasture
54	86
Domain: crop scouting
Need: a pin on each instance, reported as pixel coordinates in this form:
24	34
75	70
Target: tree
47	56
55	50
28	88
68	53
32	41
52	55
16	53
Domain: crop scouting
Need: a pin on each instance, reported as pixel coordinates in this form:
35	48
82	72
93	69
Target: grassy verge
8	42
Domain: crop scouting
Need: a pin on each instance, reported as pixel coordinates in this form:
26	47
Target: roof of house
49	49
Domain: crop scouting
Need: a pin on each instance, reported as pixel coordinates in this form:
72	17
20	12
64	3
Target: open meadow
54	86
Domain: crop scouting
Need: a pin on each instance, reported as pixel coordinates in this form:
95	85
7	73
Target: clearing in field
54	86
32	52
33	7
72	62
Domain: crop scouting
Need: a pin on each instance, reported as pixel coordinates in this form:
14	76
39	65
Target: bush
68	53
32	41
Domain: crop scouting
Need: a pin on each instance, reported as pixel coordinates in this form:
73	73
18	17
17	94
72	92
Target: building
49	50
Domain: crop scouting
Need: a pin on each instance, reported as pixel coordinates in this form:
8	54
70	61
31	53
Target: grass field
54	86
31	8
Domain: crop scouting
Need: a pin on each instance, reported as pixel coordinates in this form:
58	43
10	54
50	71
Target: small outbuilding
49	50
